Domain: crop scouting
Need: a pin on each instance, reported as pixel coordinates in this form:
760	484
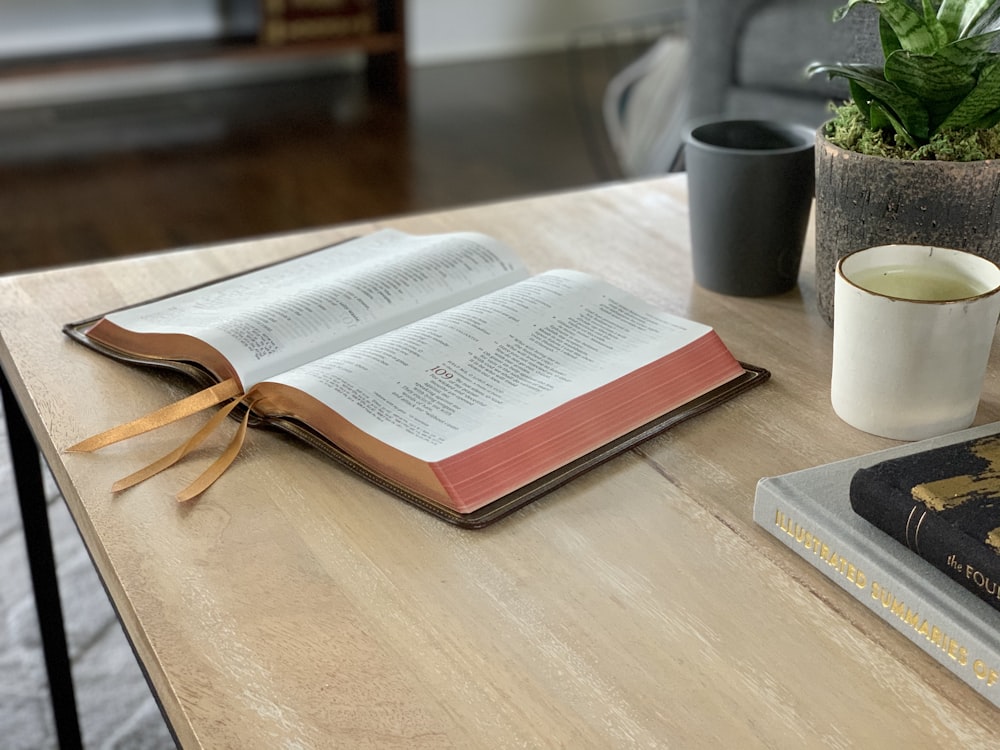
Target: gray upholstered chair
748	57
743	58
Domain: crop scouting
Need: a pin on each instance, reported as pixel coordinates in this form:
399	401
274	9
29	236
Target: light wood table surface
295	606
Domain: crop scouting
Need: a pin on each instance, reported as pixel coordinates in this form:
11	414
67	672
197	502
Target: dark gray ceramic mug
750	188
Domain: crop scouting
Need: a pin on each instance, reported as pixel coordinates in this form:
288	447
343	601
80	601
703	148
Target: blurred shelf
383	47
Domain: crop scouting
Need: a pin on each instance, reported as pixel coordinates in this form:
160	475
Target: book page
445	384
284	315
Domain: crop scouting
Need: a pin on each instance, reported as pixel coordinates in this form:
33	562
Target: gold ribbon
219	466
200	401
226	390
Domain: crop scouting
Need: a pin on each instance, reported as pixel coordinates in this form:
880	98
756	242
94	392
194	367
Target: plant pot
864	201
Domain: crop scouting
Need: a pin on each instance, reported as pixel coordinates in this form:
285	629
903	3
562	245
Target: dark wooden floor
85	182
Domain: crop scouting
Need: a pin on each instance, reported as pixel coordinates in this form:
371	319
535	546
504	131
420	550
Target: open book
437	365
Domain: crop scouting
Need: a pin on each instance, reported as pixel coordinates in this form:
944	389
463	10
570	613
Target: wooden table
296	606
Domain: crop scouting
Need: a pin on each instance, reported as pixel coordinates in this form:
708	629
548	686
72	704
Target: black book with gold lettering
944	504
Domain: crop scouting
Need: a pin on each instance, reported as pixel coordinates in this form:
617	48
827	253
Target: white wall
38	27
439	30
454	30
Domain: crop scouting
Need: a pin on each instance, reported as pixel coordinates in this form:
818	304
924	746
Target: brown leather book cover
752	376
496	510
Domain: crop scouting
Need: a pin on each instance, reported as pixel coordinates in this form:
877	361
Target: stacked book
912	532
291	21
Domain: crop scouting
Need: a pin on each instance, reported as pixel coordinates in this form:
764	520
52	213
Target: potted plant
914	157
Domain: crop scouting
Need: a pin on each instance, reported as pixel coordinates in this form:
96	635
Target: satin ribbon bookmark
200	401
227	390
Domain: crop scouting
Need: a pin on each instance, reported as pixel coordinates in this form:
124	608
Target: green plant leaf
843	10
851	71
871	78
887	37
877	118
972	53
934	25
987	121
978	17
909	25
950	16
978	103
930	78
908	113
898	126
861	99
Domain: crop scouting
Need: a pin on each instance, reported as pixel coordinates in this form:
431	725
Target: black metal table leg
41	560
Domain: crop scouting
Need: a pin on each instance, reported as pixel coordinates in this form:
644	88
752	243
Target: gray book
810	512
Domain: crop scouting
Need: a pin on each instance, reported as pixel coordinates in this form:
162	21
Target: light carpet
117	711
